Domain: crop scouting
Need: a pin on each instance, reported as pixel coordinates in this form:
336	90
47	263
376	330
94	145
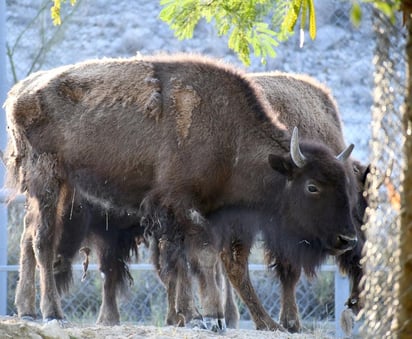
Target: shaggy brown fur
299	100
304	102
289	94
113	238
107	130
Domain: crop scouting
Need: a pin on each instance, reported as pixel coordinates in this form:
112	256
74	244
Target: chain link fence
145	301
383	216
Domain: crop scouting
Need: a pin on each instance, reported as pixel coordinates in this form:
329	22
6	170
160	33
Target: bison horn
345	154
295	152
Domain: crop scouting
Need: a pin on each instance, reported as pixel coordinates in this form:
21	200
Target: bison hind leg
45	187
25	299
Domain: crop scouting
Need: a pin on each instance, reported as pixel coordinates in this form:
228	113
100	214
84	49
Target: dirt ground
14	328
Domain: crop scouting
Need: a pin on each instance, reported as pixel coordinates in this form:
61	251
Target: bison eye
312	188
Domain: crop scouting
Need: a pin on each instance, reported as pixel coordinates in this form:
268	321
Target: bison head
319	192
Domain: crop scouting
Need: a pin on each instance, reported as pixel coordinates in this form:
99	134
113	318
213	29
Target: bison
299	100
304	102
179	134
115	239
82	223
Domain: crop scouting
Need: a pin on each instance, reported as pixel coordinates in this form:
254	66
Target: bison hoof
215	325
28	318
180	320
62	323
293	326
354	305
108	322
197	323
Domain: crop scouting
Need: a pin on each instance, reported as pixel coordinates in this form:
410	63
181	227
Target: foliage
246	22
55	11
257	25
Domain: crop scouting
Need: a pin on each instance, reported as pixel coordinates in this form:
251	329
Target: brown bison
113	238
301	101
174	134
304	102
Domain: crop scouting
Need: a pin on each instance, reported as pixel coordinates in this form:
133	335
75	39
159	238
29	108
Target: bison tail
13	159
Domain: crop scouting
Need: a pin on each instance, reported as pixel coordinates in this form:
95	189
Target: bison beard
175	133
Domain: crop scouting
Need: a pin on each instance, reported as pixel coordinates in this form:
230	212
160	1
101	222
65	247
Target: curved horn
345	154
295	152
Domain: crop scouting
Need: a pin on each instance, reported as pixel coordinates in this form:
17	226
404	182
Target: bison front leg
231	310
289	314
186	311
235	261
168	256
25	299
204	263
109	268
174	272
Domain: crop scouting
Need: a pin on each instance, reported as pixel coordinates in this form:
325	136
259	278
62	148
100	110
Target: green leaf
233	39
303	15
268	40
312	20
292	15
263	27
386	9
356	14
254	41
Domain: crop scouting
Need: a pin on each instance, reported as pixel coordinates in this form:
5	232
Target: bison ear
281	164
361	171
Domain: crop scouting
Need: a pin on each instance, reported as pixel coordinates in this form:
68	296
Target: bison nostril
347	240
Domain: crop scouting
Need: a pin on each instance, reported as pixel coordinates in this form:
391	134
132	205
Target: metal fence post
3	207
341	296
